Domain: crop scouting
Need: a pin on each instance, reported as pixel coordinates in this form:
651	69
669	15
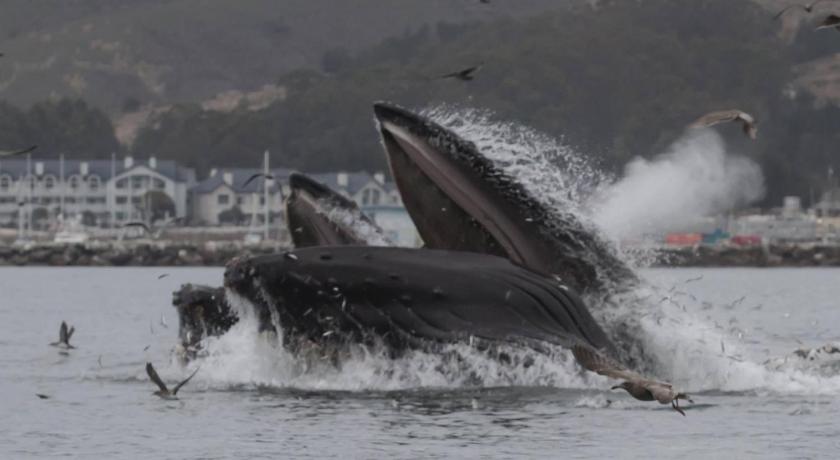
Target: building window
122	199
370	197
122	183
240	200
74	182
159	184
120	215
93	183
49	182
5	183
70	200
136	200
137	181
262	200
224	199
95	200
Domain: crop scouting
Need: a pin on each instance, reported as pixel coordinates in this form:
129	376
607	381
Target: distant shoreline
171	254
131	254
774	255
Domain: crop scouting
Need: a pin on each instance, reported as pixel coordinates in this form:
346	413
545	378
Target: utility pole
265	196
61	186
30	184
110	192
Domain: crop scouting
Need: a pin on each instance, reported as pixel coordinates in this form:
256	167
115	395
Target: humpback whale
491	270
318	216
459	200
408	298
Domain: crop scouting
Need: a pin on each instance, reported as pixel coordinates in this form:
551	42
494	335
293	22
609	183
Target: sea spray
695	178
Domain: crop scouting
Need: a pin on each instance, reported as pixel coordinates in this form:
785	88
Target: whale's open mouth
318	216
459	200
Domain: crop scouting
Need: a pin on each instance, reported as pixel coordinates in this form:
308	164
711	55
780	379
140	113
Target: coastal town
87	203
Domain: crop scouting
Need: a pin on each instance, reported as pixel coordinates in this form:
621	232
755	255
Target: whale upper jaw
460	200
319	216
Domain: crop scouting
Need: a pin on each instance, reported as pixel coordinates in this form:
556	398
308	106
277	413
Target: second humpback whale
319	216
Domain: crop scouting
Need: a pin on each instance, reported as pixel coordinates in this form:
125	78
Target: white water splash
353	219
243	357
695	178
681	346
553	172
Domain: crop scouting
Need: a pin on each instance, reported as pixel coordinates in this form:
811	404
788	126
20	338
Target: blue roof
355	181
240	176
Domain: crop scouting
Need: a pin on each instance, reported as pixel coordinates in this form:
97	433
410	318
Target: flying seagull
723	116
467	74
64	336
162	276
809	8
138	224
11	153
639	387
832	20
164	391
42	396
250	179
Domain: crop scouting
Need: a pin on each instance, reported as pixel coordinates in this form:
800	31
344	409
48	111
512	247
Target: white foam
679	345
363	229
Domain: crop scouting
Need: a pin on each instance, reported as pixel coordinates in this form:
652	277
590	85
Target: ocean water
753	399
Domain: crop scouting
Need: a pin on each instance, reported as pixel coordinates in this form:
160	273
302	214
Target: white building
223	195
105	191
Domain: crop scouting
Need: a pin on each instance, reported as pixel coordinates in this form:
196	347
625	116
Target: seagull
160	277
11	153
164	391
832	20
64	336
163	321
639	387
42	396
250	179
138	224
463	74
809	8
713	118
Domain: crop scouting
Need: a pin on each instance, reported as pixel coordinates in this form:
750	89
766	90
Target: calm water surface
241	406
